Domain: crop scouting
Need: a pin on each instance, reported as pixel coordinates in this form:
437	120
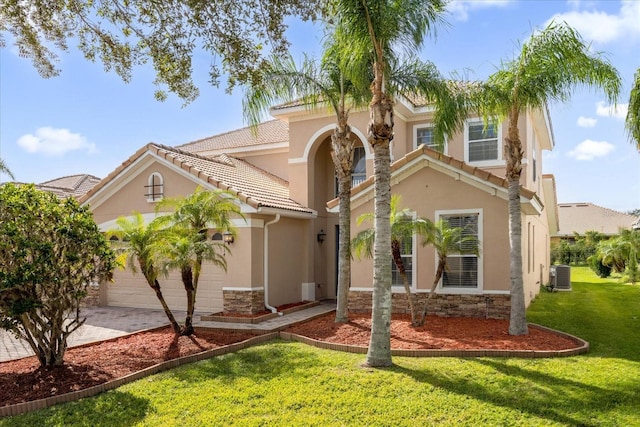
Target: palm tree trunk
155	285
513	154
379	353
187	280
344	249
397	260
342	155
439	272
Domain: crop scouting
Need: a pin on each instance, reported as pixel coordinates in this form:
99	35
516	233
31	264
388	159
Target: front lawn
285	384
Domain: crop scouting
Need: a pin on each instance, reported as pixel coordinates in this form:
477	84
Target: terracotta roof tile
271	132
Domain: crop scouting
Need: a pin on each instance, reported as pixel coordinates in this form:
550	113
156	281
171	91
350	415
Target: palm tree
403	227
370	34
315	85
185	249
550	65
447	240
5	169
633	115
136	242
192	217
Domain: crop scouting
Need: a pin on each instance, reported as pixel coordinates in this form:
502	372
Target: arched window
217	236
155	187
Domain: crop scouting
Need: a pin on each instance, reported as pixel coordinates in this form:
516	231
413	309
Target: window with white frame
463	267
155	187
406	253
482	143
359	173
423	135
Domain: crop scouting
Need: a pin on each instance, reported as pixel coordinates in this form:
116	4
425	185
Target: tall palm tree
633	115
318	84
447	240
403	227
5	169
549	67
136	241
371	34
193	215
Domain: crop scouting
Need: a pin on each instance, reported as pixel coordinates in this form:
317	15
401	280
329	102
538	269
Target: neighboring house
69	186
578	218
284	178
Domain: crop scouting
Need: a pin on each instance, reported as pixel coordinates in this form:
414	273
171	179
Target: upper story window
534	165
423	135
482	144
359	173
464	270
155	187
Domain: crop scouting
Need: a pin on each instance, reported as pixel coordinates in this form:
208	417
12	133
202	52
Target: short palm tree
134	249
316	85
403	227
5	169
193	215
370	34
185	250
633	115
550	65
447	240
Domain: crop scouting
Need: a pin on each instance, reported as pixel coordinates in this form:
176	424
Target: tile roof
270	132
582	217
252	185
480	174
68	186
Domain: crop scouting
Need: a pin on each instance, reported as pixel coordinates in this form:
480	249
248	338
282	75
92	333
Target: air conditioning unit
563	278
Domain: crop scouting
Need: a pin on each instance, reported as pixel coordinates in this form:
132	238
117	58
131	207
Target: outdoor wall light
228	238
321	236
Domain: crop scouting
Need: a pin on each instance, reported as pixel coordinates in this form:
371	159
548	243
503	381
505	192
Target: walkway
110	322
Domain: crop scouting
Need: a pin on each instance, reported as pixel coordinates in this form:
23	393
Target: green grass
285	384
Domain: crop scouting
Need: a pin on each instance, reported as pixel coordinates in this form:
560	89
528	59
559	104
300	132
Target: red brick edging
21	408
582	347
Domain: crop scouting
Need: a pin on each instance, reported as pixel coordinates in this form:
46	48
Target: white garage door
132	290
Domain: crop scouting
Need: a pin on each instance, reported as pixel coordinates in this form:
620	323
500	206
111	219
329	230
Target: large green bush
50	252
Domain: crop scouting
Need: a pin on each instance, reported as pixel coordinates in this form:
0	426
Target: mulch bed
23	380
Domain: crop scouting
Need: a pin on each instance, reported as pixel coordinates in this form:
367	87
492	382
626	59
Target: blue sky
89	121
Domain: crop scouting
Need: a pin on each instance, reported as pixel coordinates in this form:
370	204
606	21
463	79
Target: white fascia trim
287	213
314	138
241	289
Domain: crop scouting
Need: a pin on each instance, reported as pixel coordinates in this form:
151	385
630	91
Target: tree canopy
123	34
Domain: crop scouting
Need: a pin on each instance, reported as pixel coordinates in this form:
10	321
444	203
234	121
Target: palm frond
632	122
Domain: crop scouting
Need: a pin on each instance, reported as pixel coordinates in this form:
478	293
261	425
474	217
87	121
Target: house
69	186
578	218
286	249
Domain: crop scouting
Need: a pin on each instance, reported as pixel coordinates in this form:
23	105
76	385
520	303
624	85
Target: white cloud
460	8
589	150
54	142
586	122
602	27
618	111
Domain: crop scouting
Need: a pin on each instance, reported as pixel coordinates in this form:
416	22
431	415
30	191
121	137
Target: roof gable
424	157
253	186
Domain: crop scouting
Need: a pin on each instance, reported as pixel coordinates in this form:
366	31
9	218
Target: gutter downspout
266	264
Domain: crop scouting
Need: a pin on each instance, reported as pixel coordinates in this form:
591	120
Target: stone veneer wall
93	297
479	306
243	302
